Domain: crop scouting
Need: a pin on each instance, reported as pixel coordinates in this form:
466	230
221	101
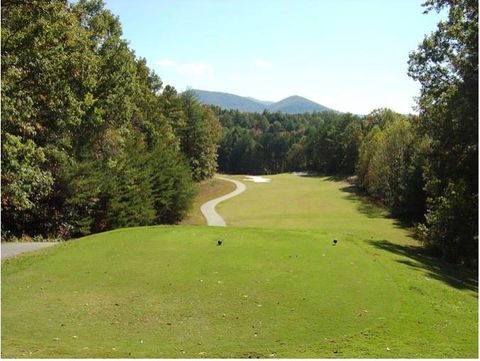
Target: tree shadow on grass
418	259
329	177
365	205
374	209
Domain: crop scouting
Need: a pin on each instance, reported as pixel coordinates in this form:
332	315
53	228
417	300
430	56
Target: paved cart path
11	249
208	208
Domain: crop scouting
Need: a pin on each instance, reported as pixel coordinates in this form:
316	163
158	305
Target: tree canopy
446	65
90	138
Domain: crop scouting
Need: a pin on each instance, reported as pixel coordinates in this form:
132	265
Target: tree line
386	150
424	168
91	139
266	143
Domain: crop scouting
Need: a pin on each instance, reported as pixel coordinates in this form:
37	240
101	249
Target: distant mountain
264	102
230	101
292	105
296	104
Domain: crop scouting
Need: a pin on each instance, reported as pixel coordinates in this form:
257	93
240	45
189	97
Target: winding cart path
208	208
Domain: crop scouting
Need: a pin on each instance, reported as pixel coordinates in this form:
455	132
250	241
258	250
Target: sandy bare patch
257	179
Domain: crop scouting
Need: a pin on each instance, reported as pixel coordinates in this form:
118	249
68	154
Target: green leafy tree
199	137
89	140
296	158
86	181
172	185
446	65
172	108
368	147
45	64
350	140
391	162
131	202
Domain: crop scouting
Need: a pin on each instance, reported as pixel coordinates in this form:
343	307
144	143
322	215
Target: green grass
171	292
310	203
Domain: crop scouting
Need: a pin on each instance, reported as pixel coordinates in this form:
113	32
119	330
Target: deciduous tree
446	65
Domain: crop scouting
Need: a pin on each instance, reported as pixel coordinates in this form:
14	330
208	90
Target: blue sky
349	55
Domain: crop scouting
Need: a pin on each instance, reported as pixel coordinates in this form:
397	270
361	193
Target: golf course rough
170	291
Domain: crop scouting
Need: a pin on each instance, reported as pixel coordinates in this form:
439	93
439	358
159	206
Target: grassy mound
260	293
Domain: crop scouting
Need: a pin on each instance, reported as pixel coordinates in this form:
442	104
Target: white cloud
262	64
166	62
189	69
195	69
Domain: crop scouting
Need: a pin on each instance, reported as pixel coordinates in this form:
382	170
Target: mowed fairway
309	203
279	290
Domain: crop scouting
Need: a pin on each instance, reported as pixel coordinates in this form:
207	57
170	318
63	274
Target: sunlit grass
172	292
310	203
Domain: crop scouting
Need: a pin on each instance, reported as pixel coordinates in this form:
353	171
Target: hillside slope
229	101
292	105
296	104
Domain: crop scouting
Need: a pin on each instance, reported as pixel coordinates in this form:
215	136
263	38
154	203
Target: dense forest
386	150
92	140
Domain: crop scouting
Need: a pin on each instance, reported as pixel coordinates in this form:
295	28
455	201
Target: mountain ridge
294	104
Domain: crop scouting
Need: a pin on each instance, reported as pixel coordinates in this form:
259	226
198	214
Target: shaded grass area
416	258
363	204
207	190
